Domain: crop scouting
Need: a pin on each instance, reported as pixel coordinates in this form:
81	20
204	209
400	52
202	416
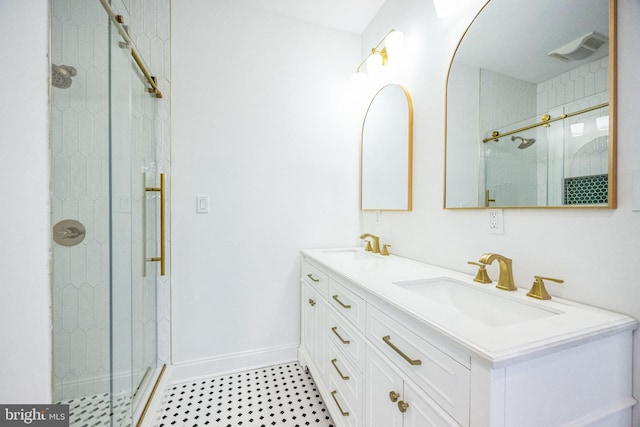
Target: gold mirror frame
386	178
612	135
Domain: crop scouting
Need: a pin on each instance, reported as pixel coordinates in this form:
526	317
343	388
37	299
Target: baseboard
235	362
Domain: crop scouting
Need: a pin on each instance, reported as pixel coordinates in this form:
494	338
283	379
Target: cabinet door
380	382
423	413
313	339
308	302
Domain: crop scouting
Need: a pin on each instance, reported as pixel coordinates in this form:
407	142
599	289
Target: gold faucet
376	243
505	280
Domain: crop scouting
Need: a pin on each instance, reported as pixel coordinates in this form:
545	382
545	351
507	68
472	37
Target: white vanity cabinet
313	314
382	357
392	401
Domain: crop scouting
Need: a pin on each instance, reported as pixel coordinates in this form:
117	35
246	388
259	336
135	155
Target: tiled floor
93	411
283	396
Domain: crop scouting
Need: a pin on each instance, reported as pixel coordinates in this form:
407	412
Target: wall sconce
393	43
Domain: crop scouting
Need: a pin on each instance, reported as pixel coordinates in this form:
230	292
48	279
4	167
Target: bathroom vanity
394	342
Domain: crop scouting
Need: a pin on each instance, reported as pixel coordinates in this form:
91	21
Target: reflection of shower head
61	75
525	143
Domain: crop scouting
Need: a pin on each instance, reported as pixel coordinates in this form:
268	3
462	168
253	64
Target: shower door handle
161	258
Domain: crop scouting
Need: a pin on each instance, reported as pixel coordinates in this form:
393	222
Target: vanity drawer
347	376
346	410
315	277
351	306
443	378
347	340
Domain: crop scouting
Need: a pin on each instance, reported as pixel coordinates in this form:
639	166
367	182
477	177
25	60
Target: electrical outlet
496	225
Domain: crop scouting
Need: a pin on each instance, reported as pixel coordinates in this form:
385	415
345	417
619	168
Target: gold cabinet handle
403	406
347	306
387	340
161	258
344	377
310	276
335	331
312	302
335	399
394	396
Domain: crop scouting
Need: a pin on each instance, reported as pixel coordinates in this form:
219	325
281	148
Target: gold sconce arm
377	51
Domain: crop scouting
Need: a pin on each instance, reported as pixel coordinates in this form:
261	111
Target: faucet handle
385	250
368	248
482	276
538	290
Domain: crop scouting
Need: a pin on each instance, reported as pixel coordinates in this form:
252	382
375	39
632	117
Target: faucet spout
505	281
376	242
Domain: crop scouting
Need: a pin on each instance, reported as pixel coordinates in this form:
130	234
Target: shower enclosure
107	212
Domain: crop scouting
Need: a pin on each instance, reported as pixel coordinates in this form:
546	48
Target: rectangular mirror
530	107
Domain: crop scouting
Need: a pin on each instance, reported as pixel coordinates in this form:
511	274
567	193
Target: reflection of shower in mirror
524	143
61	75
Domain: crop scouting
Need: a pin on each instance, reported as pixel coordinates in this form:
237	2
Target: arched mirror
530	107
386	151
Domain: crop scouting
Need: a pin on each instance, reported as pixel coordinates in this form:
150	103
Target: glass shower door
135	223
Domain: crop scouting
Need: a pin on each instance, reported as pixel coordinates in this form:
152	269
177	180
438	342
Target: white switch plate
202	204
496	224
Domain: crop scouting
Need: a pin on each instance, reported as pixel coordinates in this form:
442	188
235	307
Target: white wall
595	251
25	334
263	125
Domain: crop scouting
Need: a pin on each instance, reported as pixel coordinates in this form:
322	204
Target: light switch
202	204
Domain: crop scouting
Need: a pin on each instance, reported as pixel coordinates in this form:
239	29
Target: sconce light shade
577	129
394	43
374	64
602	123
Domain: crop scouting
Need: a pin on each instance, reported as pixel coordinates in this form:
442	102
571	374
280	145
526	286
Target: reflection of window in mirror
529	89
386	151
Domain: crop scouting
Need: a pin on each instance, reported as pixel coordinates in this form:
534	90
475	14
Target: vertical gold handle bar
162	257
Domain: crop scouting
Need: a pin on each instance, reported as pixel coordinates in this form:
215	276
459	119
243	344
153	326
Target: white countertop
570	325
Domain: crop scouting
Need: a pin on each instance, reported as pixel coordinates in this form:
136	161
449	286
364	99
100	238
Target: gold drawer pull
387	340
394	396
347	306
335	331
312	302
335	399
310	276
344	377
403	406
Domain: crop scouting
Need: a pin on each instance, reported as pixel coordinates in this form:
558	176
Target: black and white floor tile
282	396
96	410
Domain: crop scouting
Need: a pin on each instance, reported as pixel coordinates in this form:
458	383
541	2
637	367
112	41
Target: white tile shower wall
509	100
80	191
80	186
580	88
150	30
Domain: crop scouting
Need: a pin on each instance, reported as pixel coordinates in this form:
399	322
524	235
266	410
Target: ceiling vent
580	48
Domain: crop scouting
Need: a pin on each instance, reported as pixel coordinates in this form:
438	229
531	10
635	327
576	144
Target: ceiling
513	37
347	15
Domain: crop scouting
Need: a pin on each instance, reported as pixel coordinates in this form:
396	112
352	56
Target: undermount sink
481	305
351	254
